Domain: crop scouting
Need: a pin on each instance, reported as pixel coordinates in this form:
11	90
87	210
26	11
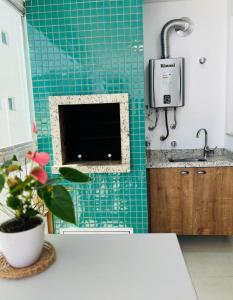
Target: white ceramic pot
22	249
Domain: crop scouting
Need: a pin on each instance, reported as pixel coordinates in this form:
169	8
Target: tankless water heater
166	82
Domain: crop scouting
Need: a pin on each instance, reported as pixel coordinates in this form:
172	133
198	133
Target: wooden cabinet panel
171	200
227	182
199	202
225	207
206	200
213	201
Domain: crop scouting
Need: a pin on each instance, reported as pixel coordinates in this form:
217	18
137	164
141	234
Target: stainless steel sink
196	159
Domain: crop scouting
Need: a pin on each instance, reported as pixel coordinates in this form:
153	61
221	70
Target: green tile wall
89	47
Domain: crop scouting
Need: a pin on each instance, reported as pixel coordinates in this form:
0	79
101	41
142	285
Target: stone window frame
92	167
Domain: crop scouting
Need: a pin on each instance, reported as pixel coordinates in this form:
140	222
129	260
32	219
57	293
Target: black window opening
90	132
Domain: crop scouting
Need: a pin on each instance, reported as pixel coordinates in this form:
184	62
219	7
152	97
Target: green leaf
9	162
2	182
31	212
13	202
13	168
74	175
18	188
59	202
14	158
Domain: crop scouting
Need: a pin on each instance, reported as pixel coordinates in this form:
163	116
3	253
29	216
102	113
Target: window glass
4	38
11	104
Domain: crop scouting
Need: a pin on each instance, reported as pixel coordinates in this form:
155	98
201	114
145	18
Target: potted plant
22	237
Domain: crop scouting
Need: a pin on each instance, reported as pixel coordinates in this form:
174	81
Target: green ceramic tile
87	47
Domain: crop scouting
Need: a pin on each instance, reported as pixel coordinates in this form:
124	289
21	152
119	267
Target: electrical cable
156	120
173	126
163	138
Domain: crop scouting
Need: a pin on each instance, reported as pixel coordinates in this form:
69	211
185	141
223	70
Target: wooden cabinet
170	200
191	201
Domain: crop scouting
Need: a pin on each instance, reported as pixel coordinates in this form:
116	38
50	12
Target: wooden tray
46	259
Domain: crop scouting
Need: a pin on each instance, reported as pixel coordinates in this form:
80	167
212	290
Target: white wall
15	126
205	84
229	95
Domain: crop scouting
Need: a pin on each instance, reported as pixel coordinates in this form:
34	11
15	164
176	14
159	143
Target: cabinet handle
184	172
201	172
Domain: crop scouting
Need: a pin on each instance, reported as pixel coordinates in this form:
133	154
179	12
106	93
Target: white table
108	267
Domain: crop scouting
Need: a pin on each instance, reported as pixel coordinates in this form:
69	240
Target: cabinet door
213	201
171	203
225	208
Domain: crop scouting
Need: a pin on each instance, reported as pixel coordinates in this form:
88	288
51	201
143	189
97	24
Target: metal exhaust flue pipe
180	25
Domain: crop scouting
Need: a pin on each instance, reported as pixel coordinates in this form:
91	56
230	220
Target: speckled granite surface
160	159
99	167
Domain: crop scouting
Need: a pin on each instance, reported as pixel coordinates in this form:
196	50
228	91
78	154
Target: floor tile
210	264
208	256
214	288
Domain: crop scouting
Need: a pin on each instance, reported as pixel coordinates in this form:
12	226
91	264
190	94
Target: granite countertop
160	159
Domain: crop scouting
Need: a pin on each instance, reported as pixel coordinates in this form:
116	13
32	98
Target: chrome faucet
206	150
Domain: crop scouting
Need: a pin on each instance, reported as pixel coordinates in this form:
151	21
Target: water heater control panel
166	82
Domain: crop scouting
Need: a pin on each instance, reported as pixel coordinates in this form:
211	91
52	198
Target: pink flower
42	158
40	174
34	129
